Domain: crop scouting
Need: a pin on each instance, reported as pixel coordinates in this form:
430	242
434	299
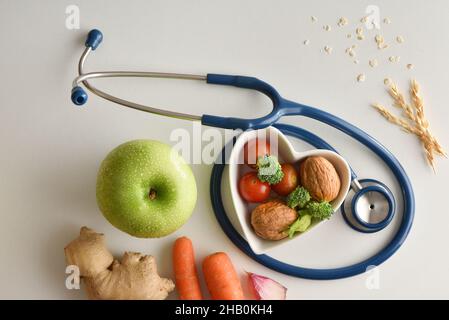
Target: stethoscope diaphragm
369	206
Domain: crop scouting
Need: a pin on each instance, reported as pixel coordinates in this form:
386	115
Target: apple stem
152	194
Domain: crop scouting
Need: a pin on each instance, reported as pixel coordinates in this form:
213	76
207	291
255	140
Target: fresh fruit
253	150
272	219
221	279
146	189
289	182
320	178
135	277
252	189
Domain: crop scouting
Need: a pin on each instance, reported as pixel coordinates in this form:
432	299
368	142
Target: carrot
221	279
186	276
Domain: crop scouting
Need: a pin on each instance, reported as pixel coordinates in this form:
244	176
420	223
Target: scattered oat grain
328	49
327	27
349	36
387	21
356	61
342	22
394	58
364	19
306	42
359	33
361	77
350	51
380	41
410	66
387	81
373	63
399	39
313	18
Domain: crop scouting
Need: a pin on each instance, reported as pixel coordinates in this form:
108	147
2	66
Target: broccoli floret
298	198
319	210
300	225
269	170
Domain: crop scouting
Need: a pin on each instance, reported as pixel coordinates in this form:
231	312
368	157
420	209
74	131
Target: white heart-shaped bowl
239	211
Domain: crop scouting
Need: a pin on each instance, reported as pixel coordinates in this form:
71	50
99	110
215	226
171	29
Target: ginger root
135	277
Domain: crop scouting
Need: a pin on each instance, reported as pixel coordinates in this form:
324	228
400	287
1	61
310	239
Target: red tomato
252	189
289	182
255	149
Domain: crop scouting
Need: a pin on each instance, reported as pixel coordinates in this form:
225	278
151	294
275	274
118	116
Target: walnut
320	178
271	220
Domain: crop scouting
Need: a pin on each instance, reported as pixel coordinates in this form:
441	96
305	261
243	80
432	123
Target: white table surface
51	149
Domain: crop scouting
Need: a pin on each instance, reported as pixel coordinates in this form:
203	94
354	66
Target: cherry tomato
255	149
252	189
289	182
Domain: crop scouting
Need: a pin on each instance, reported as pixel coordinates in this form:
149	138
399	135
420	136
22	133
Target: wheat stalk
414	120
418	103
393	119
399	102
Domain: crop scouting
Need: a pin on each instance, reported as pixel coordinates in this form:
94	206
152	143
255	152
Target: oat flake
394	58
359	33
342	22
380	42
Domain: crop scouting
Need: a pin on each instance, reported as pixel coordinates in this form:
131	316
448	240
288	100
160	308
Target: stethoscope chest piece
369	206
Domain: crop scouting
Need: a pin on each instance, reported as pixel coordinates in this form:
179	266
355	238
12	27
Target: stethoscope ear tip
79	96
94	38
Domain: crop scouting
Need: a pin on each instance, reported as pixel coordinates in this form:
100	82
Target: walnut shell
271	219
320	178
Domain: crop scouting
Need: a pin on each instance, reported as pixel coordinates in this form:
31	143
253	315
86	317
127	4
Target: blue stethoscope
369	206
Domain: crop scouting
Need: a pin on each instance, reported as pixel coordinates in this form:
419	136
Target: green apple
146	189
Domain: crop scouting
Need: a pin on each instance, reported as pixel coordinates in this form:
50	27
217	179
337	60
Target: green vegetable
298	198
269	170
300	225
319	210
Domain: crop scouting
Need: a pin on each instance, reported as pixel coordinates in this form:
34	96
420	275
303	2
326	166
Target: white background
51	149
